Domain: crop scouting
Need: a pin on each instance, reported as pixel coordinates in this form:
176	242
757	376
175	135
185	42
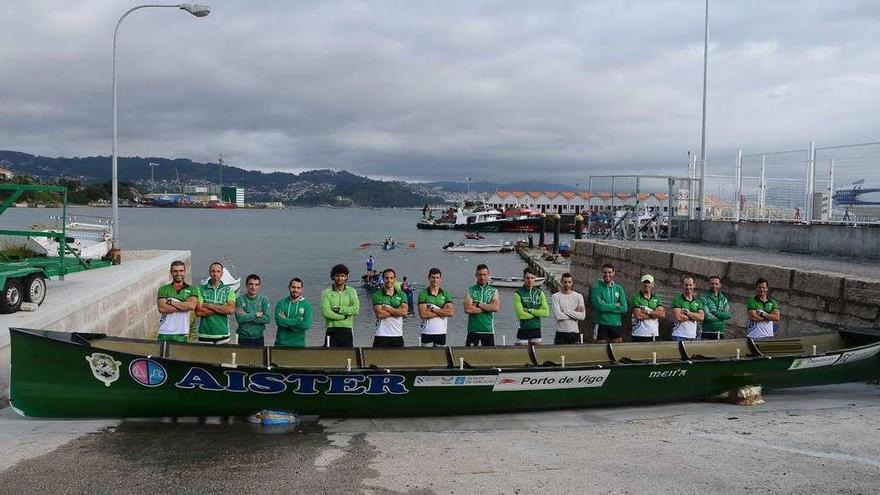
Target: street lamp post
702	201
194	9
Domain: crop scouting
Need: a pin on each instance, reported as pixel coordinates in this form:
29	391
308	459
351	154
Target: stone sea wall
811	302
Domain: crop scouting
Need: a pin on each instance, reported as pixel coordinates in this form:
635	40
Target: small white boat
89	240
227	279
478	248
512	282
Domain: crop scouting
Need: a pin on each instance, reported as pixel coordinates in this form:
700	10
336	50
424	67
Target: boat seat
779	347
492	357
717	349
643	352
414	357
140	348
318	358
575	355
215	354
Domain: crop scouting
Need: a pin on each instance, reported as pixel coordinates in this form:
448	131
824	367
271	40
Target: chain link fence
833	184
642	206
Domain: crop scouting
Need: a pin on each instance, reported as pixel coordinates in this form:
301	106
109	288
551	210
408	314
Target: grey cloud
437	90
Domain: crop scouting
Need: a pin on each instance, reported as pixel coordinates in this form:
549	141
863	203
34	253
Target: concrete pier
817	293
117	300
551	271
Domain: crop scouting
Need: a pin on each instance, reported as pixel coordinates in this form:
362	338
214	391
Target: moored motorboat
474	236
60	374
228	279
88	240
478	248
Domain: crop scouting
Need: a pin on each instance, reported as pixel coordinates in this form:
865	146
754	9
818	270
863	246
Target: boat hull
434	226
54	375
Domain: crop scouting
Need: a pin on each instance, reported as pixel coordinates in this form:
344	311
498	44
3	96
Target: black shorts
712	336
257	342
339	337
564	338
476	338
528	334
607	332
435	339
217	341
379	341
636	338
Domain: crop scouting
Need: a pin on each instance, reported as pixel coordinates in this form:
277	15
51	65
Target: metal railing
832	184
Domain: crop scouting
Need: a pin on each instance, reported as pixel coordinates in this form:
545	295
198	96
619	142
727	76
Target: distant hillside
308	188
490	187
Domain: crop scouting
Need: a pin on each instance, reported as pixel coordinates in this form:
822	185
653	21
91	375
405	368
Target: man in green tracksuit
530	305
252	313
293	315
339	305
216	303
716	311
481	302
609	304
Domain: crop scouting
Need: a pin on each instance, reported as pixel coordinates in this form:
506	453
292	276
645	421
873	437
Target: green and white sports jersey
761	329
436	325
483	322
393	325
175	323
649	327
686	329
215	326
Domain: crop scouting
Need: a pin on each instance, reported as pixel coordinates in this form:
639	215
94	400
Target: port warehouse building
577	202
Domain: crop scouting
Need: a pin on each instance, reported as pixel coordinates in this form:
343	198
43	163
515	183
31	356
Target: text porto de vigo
266	382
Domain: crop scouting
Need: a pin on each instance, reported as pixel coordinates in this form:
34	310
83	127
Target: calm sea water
281	244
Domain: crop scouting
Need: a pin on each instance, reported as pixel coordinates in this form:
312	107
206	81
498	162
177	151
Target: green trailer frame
23	280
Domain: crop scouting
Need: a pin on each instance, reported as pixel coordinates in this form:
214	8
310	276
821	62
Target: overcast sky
427	90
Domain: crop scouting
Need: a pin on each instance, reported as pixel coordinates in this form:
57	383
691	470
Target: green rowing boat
60	374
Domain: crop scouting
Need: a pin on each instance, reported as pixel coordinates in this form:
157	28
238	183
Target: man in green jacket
252	313
716	311
609	304
530	305
339	305
293	315
216	303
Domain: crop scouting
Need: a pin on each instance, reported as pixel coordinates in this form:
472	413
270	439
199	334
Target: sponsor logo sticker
813	362
848	357
667	373
147	372
104	367
550	380
455	381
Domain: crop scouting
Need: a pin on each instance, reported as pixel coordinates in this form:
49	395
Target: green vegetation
14	251
78	193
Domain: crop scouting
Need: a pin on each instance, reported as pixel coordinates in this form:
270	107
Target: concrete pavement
817	440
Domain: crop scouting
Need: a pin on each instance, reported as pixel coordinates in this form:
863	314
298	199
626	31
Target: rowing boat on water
59	374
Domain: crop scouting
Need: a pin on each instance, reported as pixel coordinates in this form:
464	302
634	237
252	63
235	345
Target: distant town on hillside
88	180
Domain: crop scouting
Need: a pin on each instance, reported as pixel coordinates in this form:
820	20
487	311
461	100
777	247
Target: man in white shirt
389	304
568	308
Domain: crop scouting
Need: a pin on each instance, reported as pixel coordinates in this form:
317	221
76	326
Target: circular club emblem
147	372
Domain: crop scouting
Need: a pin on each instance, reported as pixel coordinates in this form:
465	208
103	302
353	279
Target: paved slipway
817	440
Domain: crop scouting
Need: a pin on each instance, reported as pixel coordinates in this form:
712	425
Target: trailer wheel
35	289
11	298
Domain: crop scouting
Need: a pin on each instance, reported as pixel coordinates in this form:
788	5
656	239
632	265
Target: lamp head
196	9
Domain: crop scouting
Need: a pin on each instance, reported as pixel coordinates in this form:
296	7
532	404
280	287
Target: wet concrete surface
811	440
153	457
